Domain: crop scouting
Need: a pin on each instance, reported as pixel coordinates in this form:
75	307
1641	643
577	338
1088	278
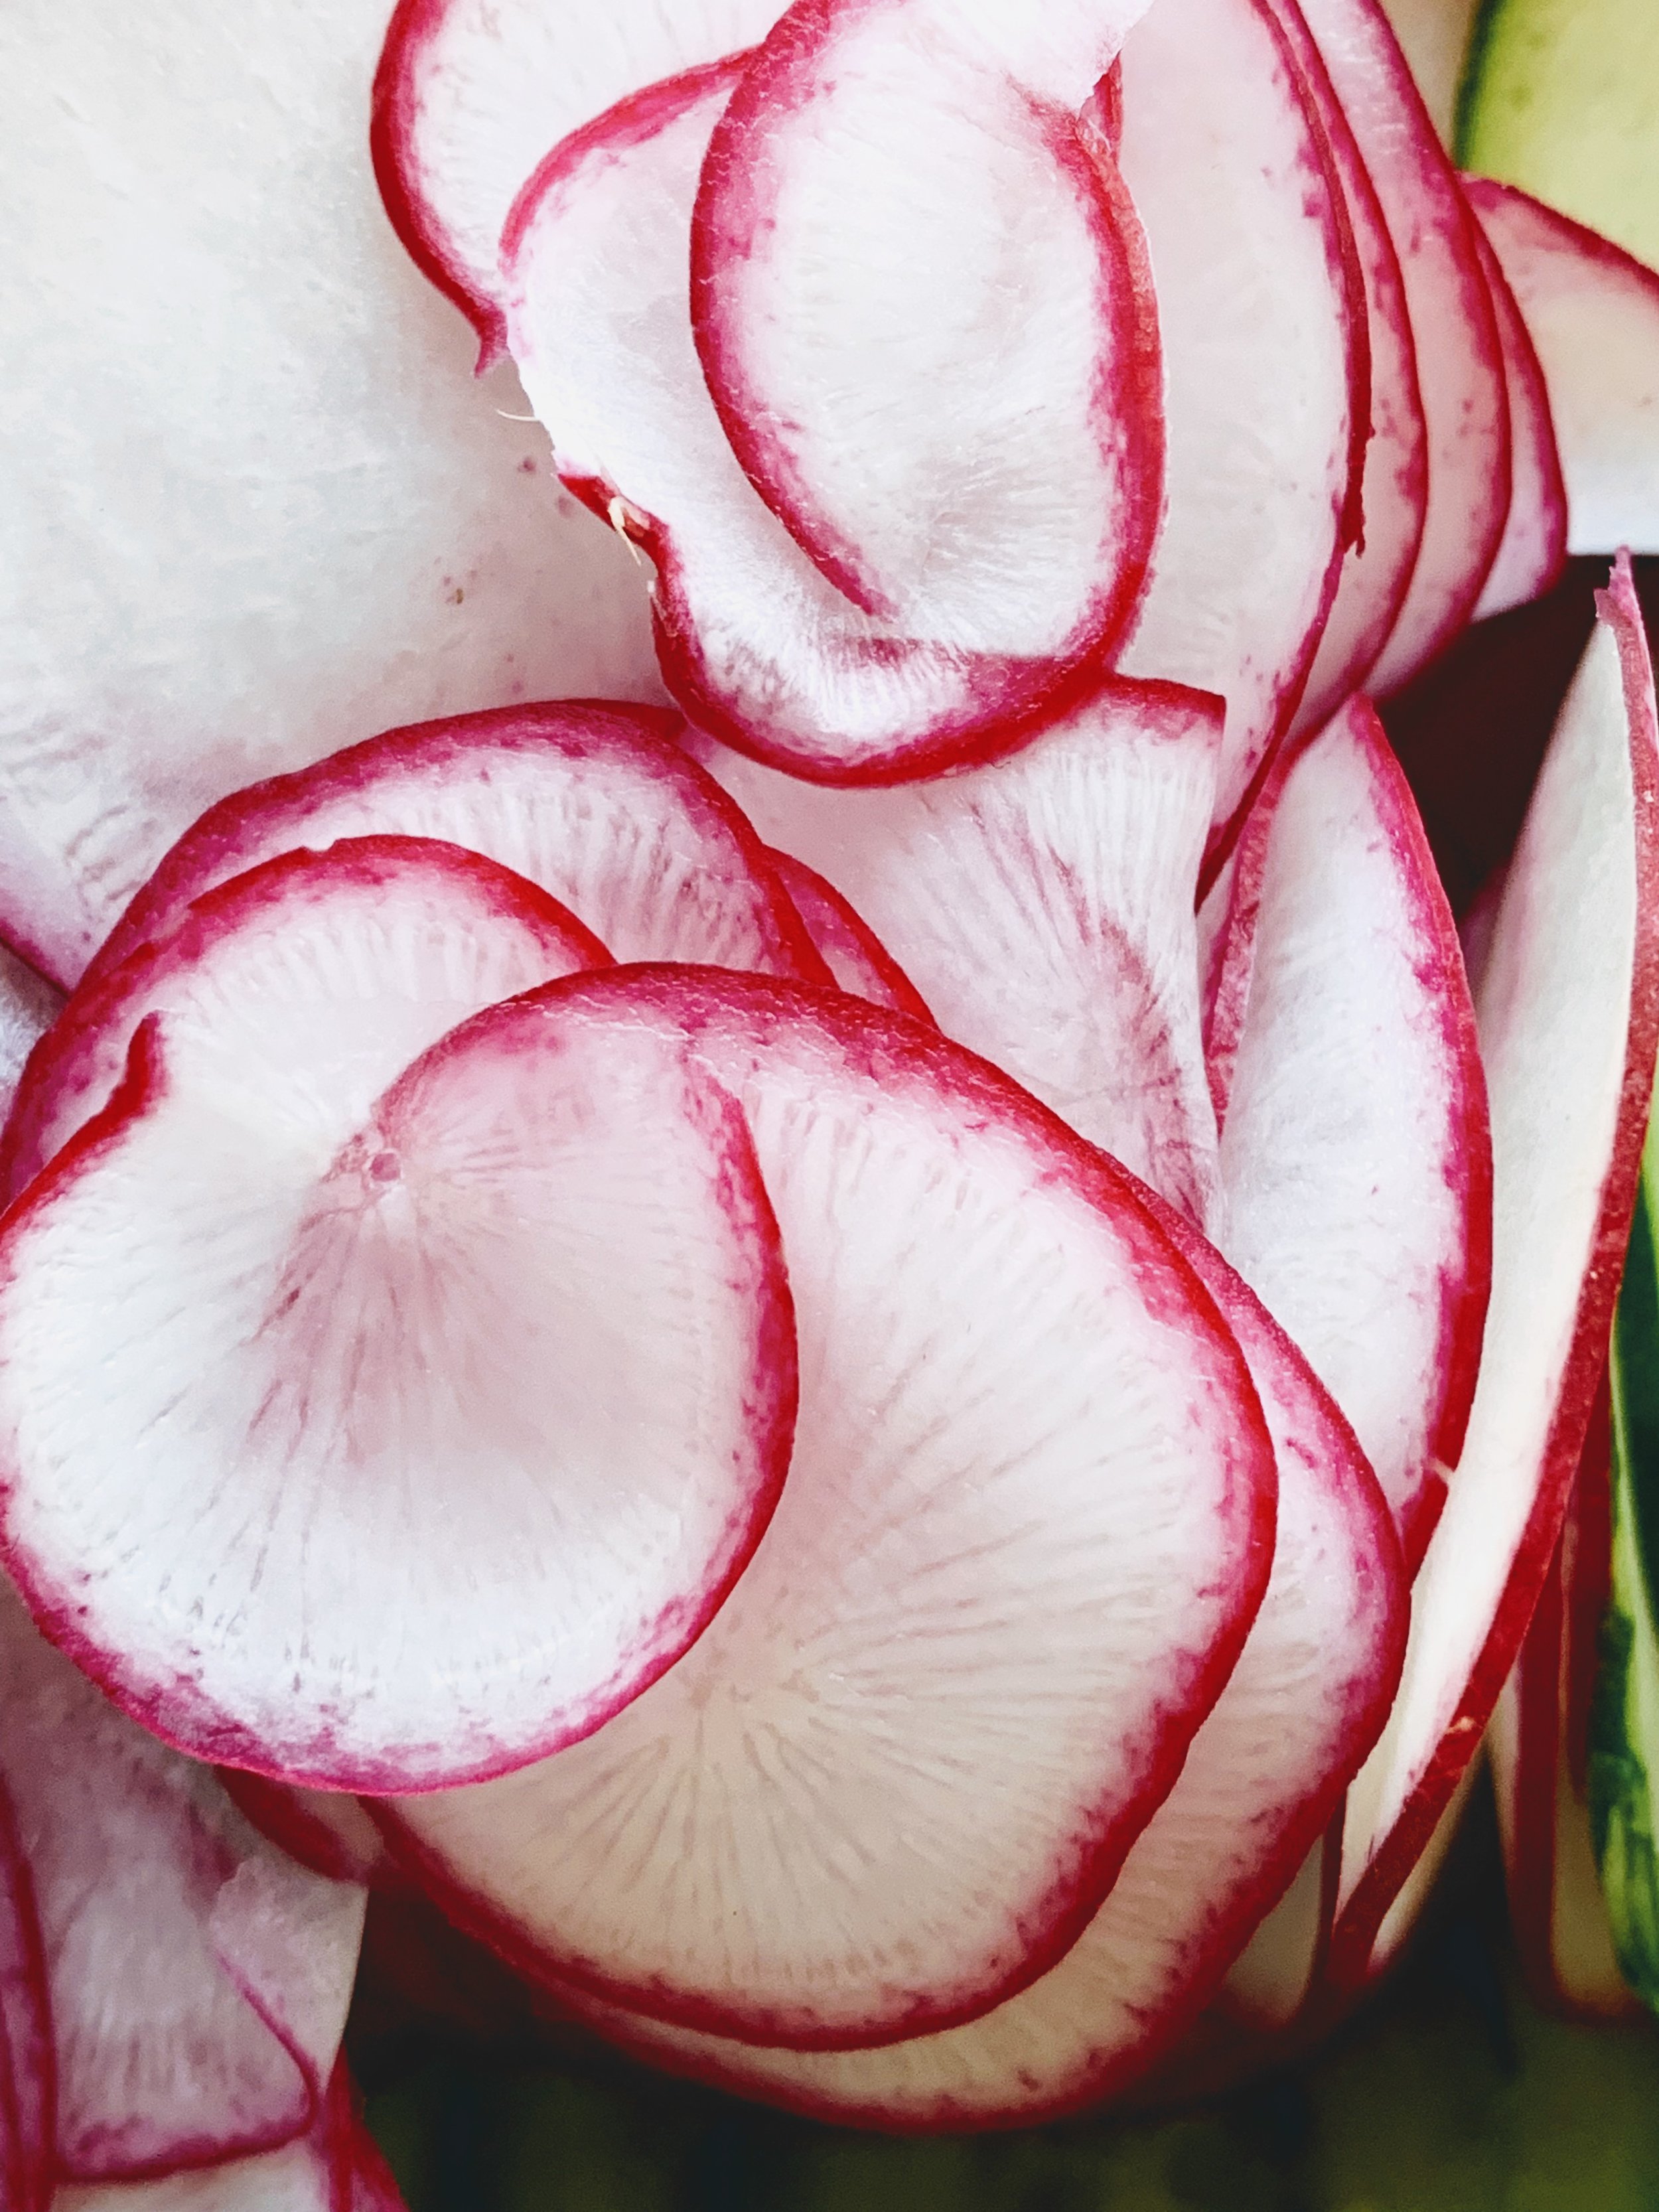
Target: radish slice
1535	543
593	802
198	1981
753	638
1263	331
1355	1152
328	1833
253	509
1569	1010
1263	1777
978	458
868	1801
28	2087
1459	355
856	956
1044	906
1593	314
470	95
260	1251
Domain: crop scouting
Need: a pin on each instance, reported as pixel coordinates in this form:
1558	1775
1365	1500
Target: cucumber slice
1561	97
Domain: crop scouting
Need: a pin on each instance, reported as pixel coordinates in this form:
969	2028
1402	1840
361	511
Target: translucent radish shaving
435	1421
1016	1399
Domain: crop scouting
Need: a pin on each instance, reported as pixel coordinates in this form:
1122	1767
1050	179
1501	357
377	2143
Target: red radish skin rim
280	1818
818	902
1533	550
1361	1919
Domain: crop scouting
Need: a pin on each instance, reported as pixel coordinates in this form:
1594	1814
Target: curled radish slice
339	1315
1355	1152
868	1799
593	802
1044	906
197	1980
761	648
856	956
1263	1776
928	329
1592	312
1460	363
1534	541
1569	1012
1263	331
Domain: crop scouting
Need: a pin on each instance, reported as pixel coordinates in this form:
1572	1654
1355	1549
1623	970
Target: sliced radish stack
1535	542
869	1801
592	801
753	638
1043	907
1262	1779
1593	314
1569	1012
1355	1155
855	955
338	1315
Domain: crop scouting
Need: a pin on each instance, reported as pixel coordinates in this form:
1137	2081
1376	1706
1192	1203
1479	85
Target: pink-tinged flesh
1592	312
316	1306
1460	362
868	1801
1262	1779
1044	906
1262	334
593	802
754	639
1568	1009
29	2077
470	95
1535	542
1355	1154
929	332
854	955
1393	486
198	1980
255	508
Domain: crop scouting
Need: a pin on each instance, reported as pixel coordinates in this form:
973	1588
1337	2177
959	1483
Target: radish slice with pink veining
1534	541
1017	1401
318	1306
856	956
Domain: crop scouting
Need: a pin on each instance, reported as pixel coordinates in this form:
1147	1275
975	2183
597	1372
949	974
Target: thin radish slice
753	638
28	2082
1262	1779
470	95
592	801
1460	362
234	946
1534	547
324	1829
924	328
283	1272
1264	343
1569	1011
174	2045
868	1799
1044	906
1355	1152
253	509
855	955
1592	312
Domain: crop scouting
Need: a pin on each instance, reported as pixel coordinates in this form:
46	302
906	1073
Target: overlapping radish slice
197	1980
1593	314
1534	541
1259	1782
926	325
470	96
1569	1010
323	1829
1044	906
1017	1402
1454	326
27	2065
28	1006
431	1424
855	955
254	509
592	801
1355	1154
1262	323
750	634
